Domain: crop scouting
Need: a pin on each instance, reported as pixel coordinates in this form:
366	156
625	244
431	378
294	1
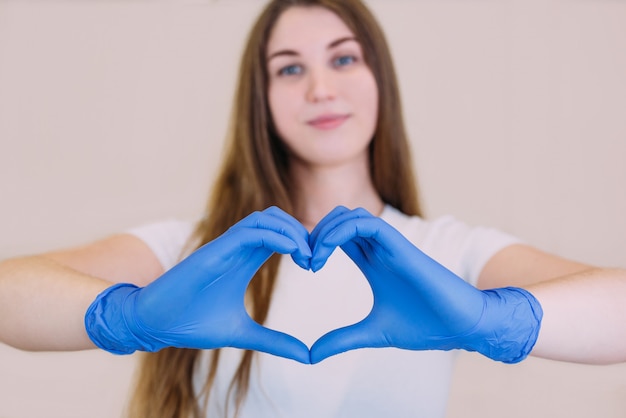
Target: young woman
318	130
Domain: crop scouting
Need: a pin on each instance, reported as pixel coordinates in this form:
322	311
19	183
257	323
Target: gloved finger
251	238
277	220
294	228
359	335
321	248
241	250
259	338
295	224
244	248
336	217
352	228
325	222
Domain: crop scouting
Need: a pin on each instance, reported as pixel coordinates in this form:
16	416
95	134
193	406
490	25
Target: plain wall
112	114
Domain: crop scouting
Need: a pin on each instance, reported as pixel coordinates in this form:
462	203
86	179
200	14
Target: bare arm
584	317
43	298
584	307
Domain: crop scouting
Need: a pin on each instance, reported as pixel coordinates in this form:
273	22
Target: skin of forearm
43	303
584	317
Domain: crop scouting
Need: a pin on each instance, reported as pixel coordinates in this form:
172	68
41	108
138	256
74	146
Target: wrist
509	326
105	320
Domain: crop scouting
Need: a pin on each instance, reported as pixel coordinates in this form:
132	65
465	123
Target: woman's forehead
300	28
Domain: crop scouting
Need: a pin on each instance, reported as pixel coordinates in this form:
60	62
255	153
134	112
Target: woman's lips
326	122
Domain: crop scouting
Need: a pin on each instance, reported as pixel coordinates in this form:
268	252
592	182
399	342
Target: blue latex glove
199	303
418	303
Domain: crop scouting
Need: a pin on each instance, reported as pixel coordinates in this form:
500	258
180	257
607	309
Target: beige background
112	114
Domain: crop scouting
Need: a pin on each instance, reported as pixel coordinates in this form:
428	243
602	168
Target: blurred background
113	113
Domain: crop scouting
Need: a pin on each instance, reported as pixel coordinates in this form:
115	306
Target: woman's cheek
366	95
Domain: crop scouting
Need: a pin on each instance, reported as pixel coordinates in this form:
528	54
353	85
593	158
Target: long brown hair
253	176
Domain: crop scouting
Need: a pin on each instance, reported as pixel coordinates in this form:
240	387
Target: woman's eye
344	60
290	70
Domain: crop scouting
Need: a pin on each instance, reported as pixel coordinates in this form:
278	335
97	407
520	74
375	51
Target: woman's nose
320	86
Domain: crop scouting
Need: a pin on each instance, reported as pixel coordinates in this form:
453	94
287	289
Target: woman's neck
319	190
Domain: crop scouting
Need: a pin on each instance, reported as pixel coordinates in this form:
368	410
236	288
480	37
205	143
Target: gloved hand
418	303
199	303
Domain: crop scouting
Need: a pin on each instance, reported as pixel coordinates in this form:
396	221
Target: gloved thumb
260	338
359	335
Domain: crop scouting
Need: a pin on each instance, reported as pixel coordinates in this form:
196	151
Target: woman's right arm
43	298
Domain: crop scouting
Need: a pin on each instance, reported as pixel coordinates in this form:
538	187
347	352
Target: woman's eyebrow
287	52
340	41
292	53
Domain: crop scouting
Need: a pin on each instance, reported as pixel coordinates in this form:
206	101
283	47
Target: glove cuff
105	322
509	326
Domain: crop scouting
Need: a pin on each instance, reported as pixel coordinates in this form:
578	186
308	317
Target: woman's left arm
584	309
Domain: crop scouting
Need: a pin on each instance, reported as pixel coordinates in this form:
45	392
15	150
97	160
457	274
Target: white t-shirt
363	383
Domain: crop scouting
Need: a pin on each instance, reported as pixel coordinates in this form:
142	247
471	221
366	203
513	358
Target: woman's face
322	96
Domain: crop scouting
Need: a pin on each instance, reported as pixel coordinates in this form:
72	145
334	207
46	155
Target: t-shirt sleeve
167	239
461	248
465	249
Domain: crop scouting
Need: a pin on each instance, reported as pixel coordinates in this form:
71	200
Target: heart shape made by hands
418	304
